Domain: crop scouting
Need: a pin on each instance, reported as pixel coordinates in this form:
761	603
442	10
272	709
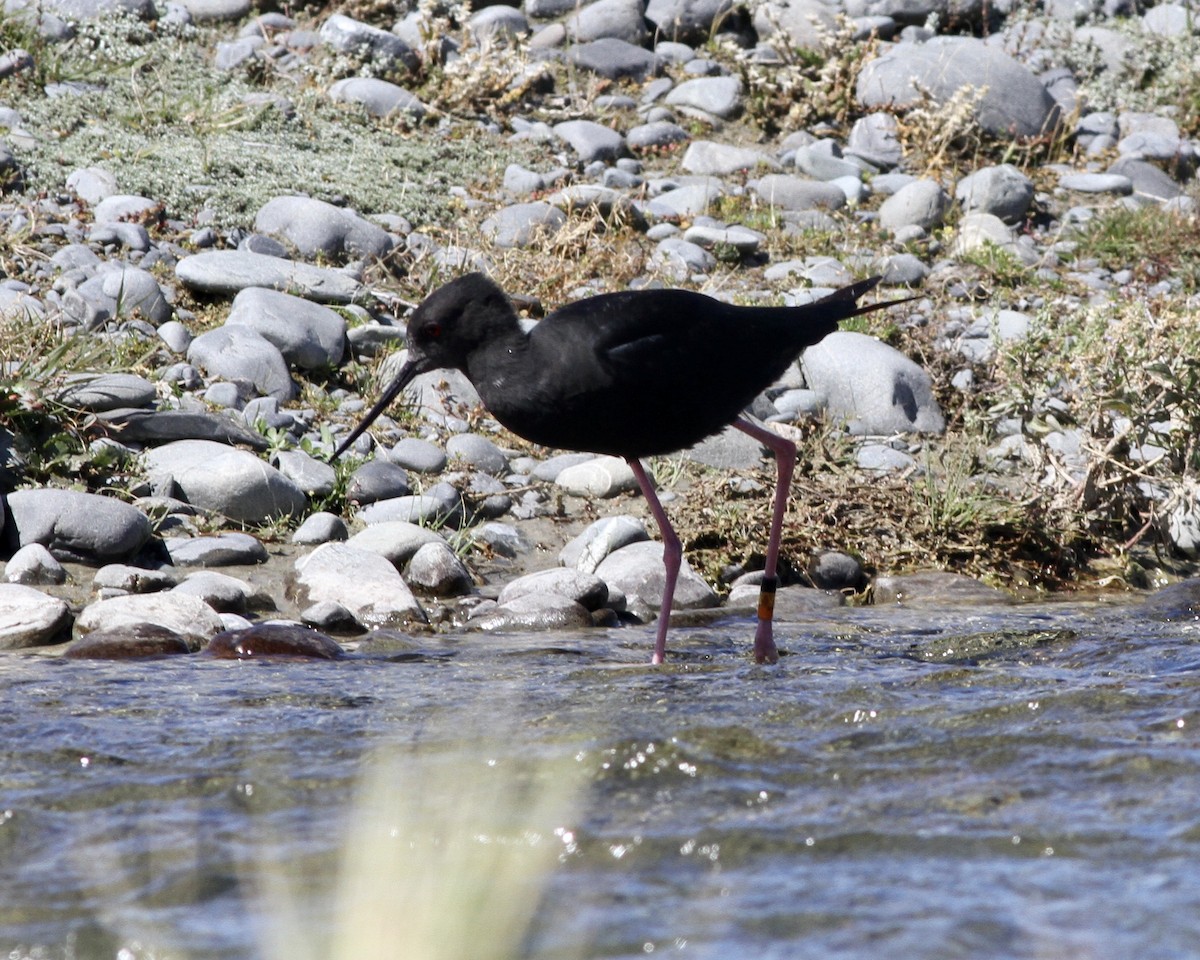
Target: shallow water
1010	782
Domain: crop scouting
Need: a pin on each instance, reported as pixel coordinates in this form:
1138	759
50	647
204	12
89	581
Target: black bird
632	374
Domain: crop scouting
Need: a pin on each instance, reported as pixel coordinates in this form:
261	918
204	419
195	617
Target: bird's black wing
640	332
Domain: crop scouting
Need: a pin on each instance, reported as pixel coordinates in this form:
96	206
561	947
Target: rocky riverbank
214	219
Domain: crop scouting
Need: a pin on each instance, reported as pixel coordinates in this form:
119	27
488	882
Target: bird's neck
499	359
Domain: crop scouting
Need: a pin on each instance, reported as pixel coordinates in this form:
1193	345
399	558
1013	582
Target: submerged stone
275	640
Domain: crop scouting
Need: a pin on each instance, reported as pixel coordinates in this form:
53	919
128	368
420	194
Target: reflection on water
1017	782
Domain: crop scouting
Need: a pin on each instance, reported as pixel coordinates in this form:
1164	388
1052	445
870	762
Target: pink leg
785	462
672	555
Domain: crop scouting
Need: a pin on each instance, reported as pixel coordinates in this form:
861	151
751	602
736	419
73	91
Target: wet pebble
137	641
934	588
30	618
275	641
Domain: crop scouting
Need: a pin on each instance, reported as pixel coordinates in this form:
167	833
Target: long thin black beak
403	378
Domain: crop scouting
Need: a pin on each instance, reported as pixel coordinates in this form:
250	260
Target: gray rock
1015	102
688	200
1150	184
162	426
396	540
122	578
1180	524
583	588
502	539
231	54
92	184
871	385
599	477
601	538
882	458
719	97
479	452
365	583
1169	20
657	135
380	98
804	23
126	207
223	593
190	617
75	526
679	258
310	335
533	612
836	570
979	230
315	477
34	564
384	49
225	272
215	11
901	269
621	19
239	353
100	392
793	193
743	240
614	59
1177	602
687	21
175	335
316	228
377	480
133	236
222	550
523	224
233	483
497	23
320	527
30	618
437	570
731	449
934	589
875	139
823	160
921	203
637	571
548	470
122	292
590	140
791	603
1002	191
418	508
521	182
417	455
329	615
709	158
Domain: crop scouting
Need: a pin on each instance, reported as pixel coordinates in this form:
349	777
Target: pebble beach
215	218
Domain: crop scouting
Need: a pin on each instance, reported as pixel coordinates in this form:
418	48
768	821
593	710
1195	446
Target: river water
979	783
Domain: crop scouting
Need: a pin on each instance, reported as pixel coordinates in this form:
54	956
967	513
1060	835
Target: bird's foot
765	650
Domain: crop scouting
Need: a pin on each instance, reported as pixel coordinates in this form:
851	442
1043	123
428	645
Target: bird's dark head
457	319
443	331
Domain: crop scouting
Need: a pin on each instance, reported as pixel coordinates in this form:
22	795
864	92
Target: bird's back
647	372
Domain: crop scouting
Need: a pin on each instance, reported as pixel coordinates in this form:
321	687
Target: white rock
188	616
365	583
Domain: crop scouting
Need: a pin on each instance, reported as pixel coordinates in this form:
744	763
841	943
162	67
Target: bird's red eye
432	330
